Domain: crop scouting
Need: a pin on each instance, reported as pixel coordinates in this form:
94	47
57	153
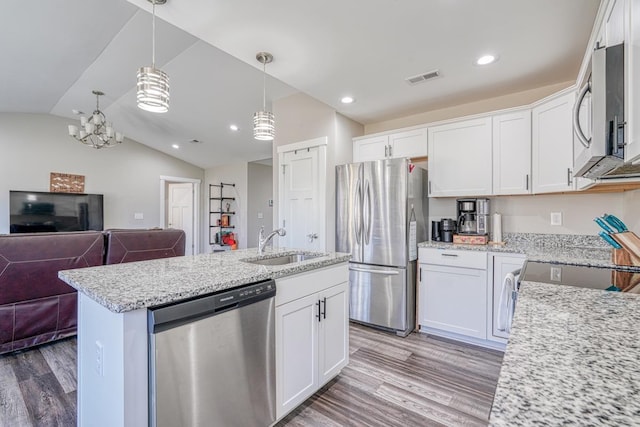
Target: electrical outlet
556	218
260	215
138	215
556	274
99	359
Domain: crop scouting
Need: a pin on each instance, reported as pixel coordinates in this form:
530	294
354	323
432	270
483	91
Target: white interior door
180	211
300	200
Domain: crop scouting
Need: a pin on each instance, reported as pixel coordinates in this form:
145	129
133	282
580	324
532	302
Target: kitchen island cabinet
312	336
113	302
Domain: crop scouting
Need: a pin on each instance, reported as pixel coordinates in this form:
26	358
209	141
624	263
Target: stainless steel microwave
603	152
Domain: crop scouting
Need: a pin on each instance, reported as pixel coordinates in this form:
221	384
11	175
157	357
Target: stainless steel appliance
380	211
602	155
473	216
606	279
212	359
436	231
449	227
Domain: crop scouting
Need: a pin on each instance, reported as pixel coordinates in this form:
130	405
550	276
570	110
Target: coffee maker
473	216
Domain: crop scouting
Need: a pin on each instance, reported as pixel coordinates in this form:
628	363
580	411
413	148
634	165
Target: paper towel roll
497	227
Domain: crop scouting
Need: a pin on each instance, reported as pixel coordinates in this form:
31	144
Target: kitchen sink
283	259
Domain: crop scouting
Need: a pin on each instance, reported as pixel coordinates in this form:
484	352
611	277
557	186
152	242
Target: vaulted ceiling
55	54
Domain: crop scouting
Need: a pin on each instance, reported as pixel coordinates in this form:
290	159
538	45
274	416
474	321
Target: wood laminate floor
390	381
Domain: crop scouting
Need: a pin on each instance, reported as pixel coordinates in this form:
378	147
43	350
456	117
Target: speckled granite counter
562	249
131	286
572	359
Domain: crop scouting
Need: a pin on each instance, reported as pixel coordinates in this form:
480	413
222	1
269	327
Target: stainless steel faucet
262	241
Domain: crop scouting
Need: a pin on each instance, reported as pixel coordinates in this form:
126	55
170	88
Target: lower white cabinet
453	292
502	265
312	335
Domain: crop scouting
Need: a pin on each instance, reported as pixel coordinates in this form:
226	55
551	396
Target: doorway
179	207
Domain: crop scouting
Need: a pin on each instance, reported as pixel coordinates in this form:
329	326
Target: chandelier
95	131
153	83
263	121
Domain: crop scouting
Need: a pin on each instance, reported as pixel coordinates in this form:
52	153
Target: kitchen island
113	303
572	359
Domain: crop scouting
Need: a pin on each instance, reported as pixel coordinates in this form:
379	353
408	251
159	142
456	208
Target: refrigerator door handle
367	195
357	218
383	272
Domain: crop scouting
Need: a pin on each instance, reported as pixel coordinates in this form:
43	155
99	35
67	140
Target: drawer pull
450	255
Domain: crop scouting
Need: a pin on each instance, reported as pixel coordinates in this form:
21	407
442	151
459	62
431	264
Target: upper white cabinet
631	81
374	148
552	144
512	153
460	158
411	144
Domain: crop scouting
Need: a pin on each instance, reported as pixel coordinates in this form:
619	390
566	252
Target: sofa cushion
141	245
29	264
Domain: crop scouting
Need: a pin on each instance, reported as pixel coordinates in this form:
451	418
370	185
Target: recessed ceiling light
347	99
233	127
176	146
486	60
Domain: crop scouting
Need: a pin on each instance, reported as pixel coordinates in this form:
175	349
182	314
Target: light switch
138	215
260	215
556	274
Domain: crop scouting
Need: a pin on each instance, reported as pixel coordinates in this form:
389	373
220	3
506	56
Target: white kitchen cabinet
502	264
460	158
552	144
631	81
374	148
407	144
312	335
453	292
512	153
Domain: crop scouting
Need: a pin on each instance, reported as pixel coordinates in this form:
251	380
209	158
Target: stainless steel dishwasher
212	360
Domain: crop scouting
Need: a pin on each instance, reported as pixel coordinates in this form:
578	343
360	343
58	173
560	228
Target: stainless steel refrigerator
380	217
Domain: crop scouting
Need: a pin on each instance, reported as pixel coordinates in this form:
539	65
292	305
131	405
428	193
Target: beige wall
300	118
34	145
631	210
484	106
229	174
531	214
259	192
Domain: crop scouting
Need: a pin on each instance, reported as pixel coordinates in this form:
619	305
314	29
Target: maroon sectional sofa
35	306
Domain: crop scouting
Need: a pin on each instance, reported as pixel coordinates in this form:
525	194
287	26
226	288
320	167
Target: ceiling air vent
414	80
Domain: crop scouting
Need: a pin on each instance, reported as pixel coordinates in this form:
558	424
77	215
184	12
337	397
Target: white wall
260	191
34	145
531	214
300	118
229	174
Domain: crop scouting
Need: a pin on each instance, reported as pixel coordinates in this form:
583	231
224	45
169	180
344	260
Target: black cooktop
607	279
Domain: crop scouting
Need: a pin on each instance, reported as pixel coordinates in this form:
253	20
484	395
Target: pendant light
153	83
263	121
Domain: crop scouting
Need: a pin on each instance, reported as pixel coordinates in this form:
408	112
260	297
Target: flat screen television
39	212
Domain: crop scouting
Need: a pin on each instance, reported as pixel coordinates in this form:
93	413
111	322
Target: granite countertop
135	285
572	359
559	249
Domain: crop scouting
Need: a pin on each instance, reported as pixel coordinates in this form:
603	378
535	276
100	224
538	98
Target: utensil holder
629	255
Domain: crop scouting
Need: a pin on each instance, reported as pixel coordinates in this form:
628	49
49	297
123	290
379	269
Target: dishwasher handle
172	315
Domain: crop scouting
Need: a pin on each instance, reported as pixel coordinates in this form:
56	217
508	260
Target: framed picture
66	183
